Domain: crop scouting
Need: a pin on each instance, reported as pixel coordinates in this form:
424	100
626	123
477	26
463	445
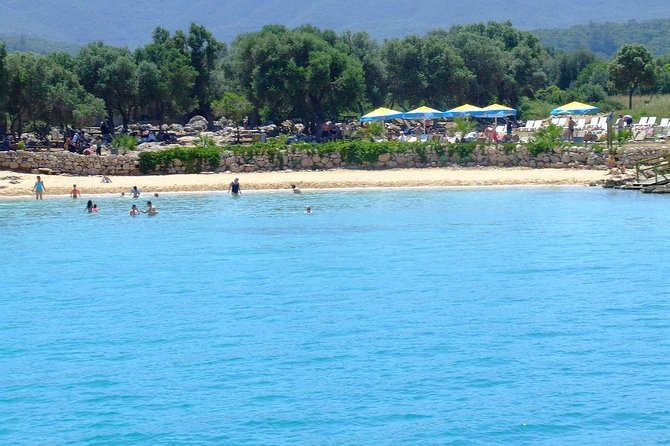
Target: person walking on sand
234	187
39	188
75	193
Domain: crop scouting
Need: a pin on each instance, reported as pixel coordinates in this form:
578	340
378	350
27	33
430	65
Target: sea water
440	317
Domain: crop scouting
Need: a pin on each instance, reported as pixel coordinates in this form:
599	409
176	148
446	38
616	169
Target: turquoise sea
496	316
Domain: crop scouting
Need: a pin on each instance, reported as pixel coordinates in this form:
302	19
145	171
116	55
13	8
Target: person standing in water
296	189
75	193
135	191
234	187
134	211
151	210
39	188
89	206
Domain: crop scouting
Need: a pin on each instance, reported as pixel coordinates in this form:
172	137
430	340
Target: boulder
198	123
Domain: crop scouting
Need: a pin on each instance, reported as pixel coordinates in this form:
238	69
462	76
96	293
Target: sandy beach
20	184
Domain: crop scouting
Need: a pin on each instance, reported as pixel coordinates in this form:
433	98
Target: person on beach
150	210
134	211
89	206
135	191
75	193
296	189
234	187
571	128
105	179
39	188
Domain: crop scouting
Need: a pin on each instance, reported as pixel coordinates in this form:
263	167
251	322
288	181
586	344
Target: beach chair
581	124
603	123
538	125
501	129
594	122
651	121
665	122
555	121
642	123
528	127
561	122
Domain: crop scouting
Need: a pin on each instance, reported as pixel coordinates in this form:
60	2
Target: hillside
40	45
605	39
130	23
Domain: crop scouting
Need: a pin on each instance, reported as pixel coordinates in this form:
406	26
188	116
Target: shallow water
457	317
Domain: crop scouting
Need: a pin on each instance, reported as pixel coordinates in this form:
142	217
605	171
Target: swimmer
308	210
156	194
39	188
151	210
135	191
296	189
134	211
89	206
95	208
75	193
123	194
234	187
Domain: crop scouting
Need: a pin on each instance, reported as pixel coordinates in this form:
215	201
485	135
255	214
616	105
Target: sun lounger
555	121
642	123
561	122
538	125
581	124
665	122
651	121
640	135
501	129
528	127
594	122
603	123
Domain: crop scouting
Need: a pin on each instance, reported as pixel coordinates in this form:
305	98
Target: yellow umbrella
381	114
423	112
465	110
497	110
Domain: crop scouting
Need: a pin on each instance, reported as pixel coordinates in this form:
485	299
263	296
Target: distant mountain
131	22
41	45
605	39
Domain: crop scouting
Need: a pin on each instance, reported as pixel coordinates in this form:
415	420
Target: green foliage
606	38
631	68
233	106
622	136
192	157
464	125
546	139
370	131
463	150
125	142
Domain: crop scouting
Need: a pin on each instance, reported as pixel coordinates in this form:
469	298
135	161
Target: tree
3	85
110	74
233	106
297	73
631	68
205	53
166	78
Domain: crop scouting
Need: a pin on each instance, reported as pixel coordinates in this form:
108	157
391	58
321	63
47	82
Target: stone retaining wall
56	162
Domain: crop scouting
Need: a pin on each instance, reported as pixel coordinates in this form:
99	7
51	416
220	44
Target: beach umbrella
423	113
465	110
381	114
574	108
498	111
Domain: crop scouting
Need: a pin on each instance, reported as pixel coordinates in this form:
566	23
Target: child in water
134	211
